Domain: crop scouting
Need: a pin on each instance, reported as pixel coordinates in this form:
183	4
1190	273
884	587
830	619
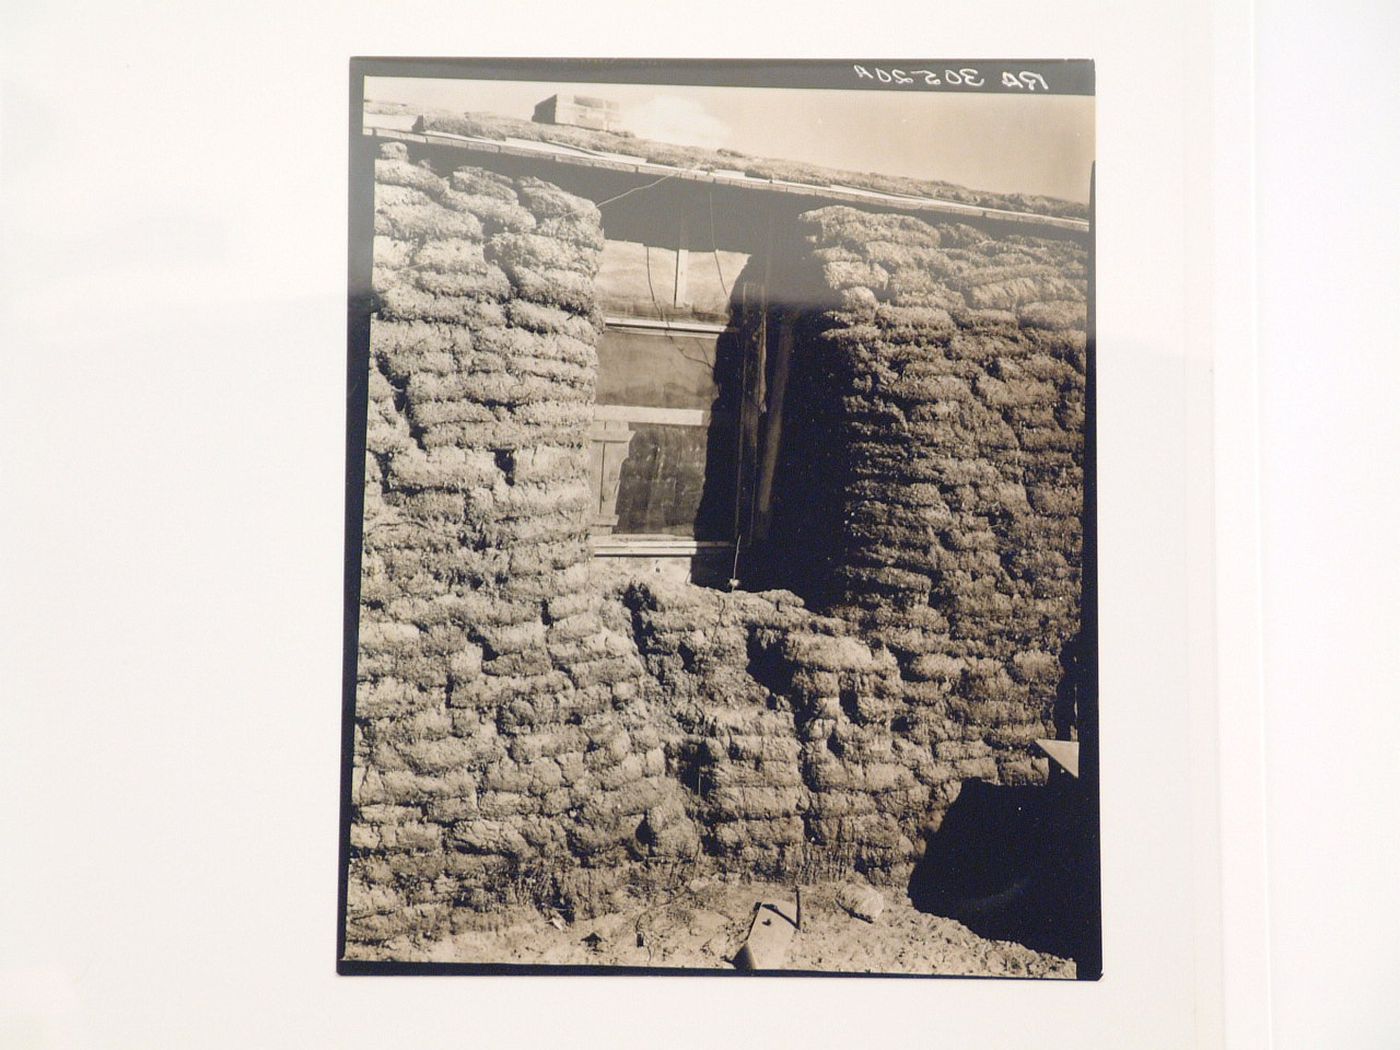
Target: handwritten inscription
966	76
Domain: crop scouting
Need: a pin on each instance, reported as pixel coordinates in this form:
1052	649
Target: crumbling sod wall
950	366
499	723
533	730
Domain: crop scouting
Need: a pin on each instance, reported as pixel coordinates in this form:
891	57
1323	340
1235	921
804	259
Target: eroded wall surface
951	373
499	723
532	729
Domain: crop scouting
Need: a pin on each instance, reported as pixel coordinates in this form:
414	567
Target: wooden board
1064	753
770	936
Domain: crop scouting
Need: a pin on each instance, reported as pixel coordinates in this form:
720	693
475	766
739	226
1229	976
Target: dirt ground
704	925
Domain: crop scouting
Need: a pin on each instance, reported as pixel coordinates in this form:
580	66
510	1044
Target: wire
646	248
661	313
703	361
636	189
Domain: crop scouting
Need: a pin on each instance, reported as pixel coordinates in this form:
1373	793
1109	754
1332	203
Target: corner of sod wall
499	723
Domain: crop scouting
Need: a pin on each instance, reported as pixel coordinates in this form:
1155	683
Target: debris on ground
863	902
706	923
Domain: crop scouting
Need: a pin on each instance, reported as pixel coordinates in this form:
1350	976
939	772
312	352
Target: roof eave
548	151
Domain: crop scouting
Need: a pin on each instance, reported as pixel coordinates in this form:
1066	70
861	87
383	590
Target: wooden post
608	444
680	297
753	395
773	427
751	367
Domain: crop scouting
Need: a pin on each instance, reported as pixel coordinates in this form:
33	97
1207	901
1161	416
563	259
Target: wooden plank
773	427
676	417
680	327
770	936
634	546
608	441
397	136
1064	753
754	396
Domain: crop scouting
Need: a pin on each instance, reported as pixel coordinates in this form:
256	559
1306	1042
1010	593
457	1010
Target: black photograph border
1063	76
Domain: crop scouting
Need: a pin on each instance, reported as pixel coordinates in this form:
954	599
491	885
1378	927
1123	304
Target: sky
1042	144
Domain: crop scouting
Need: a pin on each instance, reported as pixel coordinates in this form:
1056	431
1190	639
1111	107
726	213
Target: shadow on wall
805	544
775	423
1075	689
717	515
1015	864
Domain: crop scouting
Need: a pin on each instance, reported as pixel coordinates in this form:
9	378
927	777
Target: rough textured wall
953	369
500	729
534	730
782	731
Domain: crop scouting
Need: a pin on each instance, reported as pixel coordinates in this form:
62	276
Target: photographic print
719	562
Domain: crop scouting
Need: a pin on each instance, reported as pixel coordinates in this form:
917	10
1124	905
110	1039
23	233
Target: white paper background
173	187
1329	274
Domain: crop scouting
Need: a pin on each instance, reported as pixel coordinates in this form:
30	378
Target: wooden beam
608	443
632	545
773	427
677	417
683	325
